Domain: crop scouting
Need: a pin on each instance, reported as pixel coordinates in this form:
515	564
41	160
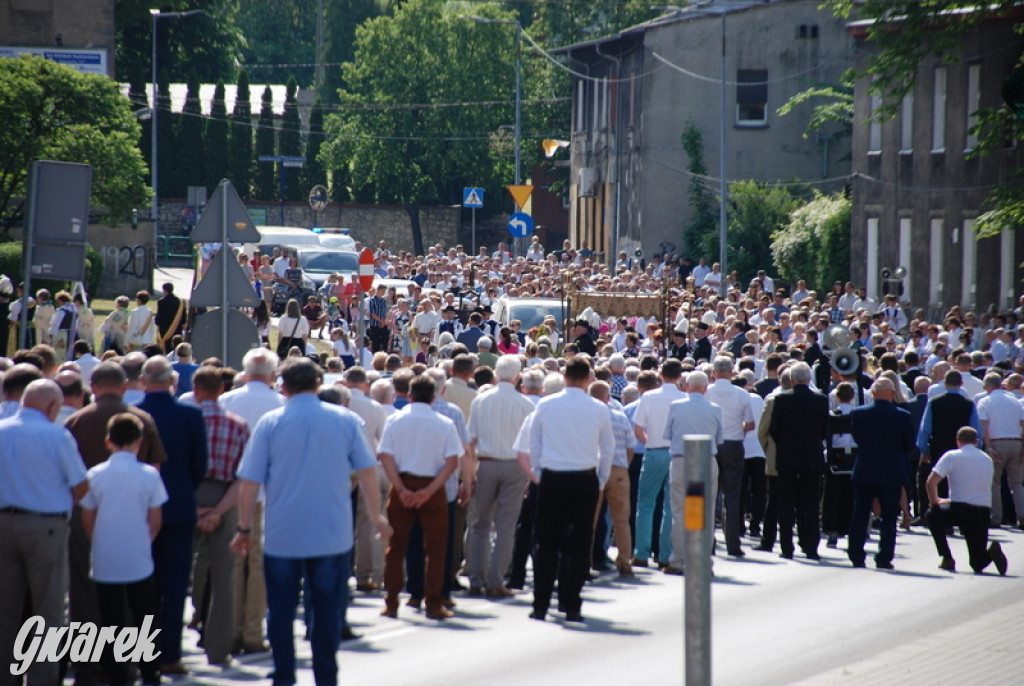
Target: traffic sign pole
225	298
474	231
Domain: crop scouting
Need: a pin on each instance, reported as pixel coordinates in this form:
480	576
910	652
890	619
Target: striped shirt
377	306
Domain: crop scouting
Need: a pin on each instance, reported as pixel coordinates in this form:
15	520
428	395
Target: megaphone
845	361
900	273
885	274
836	336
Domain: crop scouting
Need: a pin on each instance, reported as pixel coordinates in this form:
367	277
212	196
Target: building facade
73	31
634	92
917	190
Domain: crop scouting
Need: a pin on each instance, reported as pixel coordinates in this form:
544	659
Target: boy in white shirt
121	513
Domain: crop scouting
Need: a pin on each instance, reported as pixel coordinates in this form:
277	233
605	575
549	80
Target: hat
582	322
703	326
449	308
334	299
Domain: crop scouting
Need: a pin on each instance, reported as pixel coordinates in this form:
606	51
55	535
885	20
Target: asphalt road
774	622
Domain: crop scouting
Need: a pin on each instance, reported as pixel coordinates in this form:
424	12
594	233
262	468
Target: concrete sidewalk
985	650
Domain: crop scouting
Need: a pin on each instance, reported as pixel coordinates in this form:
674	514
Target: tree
290	140
189	166
815	244
343	17
836	113
410	122
208	43
240	139
700	238
313	172
265	180
903	34
279	33
756	211
215	140
50	111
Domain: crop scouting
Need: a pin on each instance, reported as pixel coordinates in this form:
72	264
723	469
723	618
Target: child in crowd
121	513
343	347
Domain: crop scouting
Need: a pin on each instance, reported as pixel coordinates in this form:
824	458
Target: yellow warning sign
520	194
693	512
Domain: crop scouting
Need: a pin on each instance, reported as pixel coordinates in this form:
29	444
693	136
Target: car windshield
532	315
326	262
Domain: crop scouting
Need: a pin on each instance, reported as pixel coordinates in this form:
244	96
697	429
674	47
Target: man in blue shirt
41	476
308	512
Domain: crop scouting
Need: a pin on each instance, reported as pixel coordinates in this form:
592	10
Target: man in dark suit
183	433
916	408
170	315
701	346
799	425
471	336
739	339
884	435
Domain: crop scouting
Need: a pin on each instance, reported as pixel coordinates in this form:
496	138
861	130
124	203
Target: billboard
85	61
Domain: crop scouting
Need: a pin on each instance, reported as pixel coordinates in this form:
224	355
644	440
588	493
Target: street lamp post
518	130
154	173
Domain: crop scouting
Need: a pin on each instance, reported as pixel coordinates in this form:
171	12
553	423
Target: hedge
10	264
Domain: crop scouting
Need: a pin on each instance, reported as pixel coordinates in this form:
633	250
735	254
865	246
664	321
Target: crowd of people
455	450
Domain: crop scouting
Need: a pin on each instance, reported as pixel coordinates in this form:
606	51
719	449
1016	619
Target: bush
815	245
10	264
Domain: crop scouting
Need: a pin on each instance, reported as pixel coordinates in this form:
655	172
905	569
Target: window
752	97
907	124
973	103
875	126
937	242
939	110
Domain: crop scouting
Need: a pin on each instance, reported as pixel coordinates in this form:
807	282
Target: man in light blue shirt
694	415
304	455
41	476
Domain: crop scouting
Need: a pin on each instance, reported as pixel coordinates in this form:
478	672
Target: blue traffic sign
520	225
473	197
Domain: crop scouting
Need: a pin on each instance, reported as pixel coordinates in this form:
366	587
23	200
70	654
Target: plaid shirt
226	436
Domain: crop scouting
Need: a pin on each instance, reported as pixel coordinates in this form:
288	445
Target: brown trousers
433	516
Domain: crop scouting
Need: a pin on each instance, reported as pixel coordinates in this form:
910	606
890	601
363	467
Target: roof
710	8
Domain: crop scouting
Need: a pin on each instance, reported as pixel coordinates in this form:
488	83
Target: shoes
918	521
414	602
538	615
348	635
517	585
252	648
626	572
905	523
736	553
882	564
673	571
812	555
948	563
223	662
439	614
832	542
858	564
995	551
391	612
368	587
448	602
637	562
786	555
1020	523
754	531
475	591
764	547
500	593
994	525
173	669
662	565
574	617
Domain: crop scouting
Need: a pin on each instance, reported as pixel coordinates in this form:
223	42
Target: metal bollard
699	525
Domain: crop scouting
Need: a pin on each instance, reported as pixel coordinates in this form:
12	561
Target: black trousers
523	548
379	336
973	523
565	527
730	483
755	490
124	605
837	504
889	500
799	495
770	528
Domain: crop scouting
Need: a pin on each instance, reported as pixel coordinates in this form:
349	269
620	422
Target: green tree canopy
815	244
756	211
215	140
50	111
240	139
290	141
266	144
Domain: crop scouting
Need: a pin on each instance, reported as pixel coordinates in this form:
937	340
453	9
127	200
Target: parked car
530	311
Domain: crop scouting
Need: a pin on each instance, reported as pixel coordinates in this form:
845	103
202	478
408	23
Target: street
775	622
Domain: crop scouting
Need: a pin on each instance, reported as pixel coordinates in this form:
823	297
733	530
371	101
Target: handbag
284	344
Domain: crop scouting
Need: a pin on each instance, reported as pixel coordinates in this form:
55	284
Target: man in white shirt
969	472
281	264
419	449
700	272
1002	423
574	459
495	419
250	402
649	427
369	549
737	419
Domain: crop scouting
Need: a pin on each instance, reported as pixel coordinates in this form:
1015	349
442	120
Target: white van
291	236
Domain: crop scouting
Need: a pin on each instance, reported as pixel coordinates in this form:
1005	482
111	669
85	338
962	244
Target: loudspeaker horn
836	336
900	273
885	274
845	361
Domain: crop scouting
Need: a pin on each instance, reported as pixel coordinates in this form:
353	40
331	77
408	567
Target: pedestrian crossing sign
473	197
